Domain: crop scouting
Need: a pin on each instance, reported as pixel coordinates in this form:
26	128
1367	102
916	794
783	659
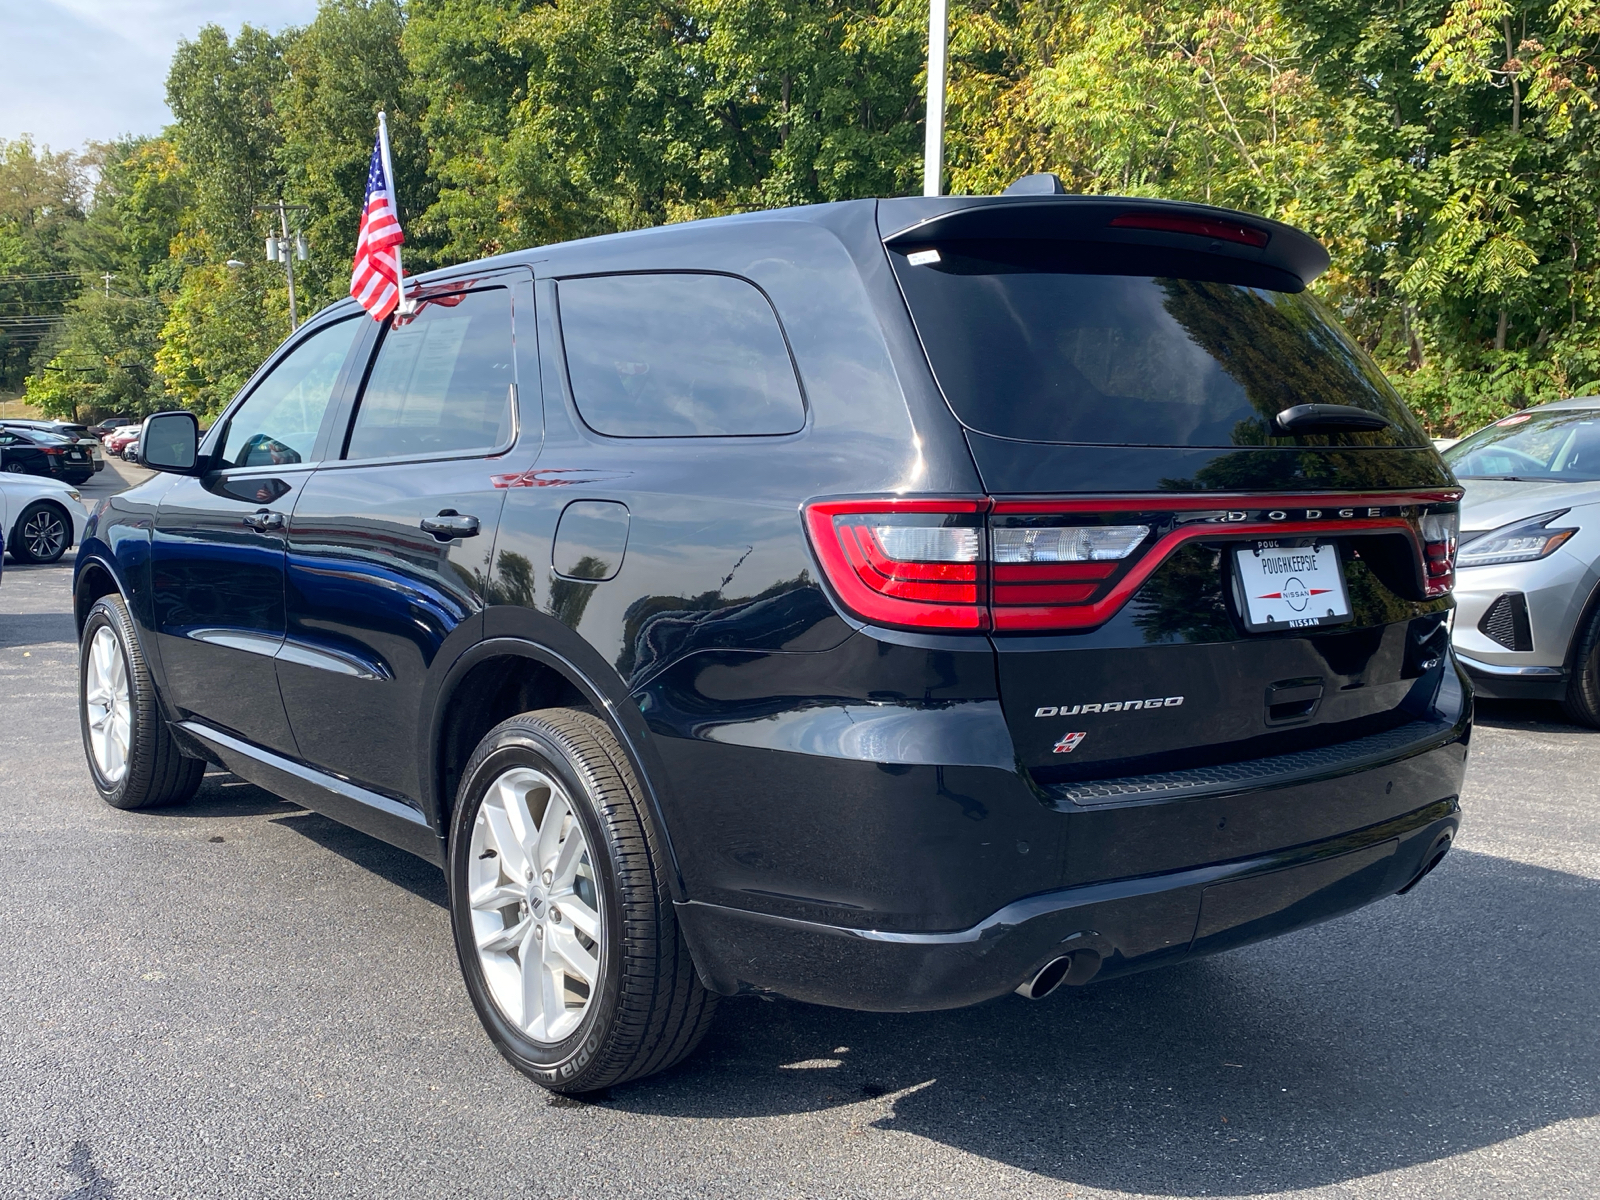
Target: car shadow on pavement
38	630
1428	1025
421	879
1542	715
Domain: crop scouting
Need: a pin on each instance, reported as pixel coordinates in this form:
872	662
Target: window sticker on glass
1284	585
921	258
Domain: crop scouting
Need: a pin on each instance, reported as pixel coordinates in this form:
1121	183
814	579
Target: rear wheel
132	756
1582	701
563	923
16	468
41	534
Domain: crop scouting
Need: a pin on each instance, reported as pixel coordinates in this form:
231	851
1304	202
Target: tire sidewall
107	615
560	1065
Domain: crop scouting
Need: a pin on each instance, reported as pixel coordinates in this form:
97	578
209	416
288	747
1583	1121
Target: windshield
1555	444
1047	342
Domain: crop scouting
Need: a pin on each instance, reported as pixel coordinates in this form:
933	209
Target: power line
42	276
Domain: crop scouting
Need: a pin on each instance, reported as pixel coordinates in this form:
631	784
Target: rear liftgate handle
264	519
450	524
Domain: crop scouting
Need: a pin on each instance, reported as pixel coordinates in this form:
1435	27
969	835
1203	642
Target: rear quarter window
677	355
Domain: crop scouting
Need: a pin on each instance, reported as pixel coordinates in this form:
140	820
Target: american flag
375	281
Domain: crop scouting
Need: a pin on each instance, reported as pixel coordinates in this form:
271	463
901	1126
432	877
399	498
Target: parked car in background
117	440
110	423
68	429
130	452
888	604
41	518
1528	571
34	452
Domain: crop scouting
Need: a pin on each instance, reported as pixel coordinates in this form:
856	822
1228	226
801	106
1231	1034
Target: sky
74	71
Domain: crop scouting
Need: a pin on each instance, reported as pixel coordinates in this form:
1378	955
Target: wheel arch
94	579
503	676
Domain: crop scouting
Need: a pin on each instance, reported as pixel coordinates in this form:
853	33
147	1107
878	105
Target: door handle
264	519
450	524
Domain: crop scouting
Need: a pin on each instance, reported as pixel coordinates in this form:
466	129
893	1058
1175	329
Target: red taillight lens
917	564
1439	552
1044	567
1222	230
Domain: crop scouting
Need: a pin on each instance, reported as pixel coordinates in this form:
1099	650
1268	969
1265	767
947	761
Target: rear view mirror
170	441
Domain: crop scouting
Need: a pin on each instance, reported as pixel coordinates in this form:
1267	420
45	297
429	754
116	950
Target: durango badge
1069	742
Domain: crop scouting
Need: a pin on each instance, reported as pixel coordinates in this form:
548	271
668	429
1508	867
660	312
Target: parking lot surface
241	998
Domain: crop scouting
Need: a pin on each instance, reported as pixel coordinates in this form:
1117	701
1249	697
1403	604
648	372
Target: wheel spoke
494	896
583	918
556	815
565	868
505	837
553	999
563	946
534	1013
502	940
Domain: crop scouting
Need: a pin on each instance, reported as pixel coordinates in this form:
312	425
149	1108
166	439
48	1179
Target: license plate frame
1272	575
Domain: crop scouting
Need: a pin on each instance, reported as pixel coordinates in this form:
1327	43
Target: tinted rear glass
1557	444
1040	342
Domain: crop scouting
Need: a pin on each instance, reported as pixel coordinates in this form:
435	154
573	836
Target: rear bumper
1111	928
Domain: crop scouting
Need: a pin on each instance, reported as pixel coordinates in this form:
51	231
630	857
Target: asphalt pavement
240	998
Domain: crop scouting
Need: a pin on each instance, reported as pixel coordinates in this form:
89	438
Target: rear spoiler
908	222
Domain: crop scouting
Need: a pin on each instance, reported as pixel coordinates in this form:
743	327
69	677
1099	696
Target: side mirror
170	441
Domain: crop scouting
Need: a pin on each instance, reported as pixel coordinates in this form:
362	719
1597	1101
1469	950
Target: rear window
1557	444
1048	342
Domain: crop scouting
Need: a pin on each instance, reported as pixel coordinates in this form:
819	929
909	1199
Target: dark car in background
67	429
35	452
110	423
888	604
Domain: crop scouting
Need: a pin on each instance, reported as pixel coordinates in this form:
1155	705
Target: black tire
16	468
1582	701
156	773
42	533
649	1009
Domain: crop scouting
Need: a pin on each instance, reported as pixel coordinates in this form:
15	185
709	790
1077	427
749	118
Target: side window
278	423
677	356
442	380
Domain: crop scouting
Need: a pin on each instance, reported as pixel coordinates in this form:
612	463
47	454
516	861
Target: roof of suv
1177	225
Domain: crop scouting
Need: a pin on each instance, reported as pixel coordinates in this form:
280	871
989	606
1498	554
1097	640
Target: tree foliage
1443	150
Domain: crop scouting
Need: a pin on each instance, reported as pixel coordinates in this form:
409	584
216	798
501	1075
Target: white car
40	518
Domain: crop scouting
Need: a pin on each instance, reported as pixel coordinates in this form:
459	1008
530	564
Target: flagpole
406	305
933	128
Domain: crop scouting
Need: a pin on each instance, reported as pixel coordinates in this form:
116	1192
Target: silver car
1527	624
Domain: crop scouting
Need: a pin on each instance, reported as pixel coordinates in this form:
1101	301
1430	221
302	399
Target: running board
389	820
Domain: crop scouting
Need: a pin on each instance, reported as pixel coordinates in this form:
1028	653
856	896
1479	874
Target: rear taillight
1043	569
1070	563
918	564
1439	551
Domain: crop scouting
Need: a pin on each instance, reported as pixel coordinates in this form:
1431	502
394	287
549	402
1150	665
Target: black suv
888	604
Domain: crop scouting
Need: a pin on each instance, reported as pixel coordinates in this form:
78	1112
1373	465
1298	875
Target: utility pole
286	249
108	277
938	60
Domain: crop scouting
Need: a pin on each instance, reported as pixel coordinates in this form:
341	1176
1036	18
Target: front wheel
132	757
563	923
1582	701
41	534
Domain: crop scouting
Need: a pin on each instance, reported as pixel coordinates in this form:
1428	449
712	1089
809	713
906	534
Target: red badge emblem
1069	742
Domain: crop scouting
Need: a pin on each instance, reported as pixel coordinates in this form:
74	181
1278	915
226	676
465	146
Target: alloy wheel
44	534
536	914
110	709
